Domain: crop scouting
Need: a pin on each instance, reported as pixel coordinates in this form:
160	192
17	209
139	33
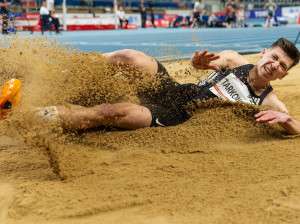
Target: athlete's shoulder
242	70
232	59
272	101
245	66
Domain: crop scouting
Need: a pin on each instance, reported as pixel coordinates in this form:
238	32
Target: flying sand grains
53	74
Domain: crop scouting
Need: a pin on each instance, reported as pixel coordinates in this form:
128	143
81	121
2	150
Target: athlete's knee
127	56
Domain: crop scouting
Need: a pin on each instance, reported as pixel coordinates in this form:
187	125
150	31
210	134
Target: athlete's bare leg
134	58
123	115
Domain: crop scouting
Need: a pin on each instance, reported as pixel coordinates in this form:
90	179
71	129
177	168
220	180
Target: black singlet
167	103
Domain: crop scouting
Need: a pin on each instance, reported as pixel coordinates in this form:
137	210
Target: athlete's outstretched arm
224	60
283	118
290	124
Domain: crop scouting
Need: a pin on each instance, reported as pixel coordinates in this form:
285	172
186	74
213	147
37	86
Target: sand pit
219	167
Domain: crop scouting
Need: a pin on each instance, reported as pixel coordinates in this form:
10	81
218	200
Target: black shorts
46	22
168	100
196	15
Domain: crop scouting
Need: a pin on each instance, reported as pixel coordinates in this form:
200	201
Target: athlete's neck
258	84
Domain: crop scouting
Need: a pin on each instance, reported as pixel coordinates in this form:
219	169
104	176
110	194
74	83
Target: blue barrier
14	14
156	16
132	4
261	13
104	3
205	18
58	2
166	4
73	2
222	17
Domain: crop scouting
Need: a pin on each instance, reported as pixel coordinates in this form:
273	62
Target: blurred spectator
15	6
91	5
205	12
230	20
229	5
151	4
141	4
237	4
241	16
4	13
55	21
107	9
143	12
204	17
190	18
213	20
271	7
45	17
196	13
122	17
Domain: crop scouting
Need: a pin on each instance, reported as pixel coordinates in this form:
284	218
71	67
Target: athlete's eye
283	66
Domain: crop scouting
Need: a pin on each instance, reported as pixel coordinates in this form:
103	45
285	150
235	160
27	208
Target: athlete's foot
10	96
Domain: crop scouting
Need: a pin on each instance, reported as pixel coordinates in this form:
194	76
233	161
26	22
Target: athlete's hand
202	60
271	117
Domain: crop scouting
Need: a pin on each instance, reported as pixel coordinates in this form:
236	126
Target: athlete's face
274	64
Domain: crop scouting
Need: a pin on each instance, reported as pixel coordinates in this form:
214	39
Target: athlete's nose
275	65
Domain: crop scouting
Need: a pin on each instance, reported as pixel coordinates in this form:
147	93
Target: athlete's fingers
266	118
276	120
260	114
210	55
213	67
271	117
262	121
196	54
216	57
203	53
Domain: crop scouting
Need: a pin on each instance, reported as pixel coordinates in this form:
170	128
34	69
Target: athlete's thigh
135	58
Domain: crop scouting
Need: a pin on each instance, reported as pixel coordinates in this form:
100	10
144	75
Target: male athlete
167	105
271	7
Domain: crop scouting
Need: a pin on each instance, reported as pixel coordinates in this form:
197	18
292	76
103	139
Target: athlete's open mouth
268	71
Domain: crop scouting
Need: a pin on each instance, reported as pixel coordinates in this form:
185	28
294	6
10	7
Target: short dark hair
289	48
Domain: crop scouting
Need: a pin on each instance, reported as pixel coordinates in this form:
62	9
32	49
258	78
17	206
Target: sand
218	167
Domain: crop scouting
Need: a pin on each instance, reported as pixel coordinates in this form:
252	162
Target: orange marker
10	96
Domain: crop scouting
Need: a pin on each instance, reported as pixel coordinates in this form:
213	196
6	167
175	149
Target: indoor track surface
155	41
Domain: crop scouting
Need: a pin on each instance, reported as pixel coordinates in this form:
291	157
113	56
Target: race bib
233	89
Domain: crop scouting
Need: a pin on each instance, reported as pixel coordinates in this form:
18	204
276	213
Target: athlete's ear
262	52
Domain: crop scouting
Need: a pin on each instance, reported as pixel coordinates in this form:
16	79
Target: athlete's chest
234	89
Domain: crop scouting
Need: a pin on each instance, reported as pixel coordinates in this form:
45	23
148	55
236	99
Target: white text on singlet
233	89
